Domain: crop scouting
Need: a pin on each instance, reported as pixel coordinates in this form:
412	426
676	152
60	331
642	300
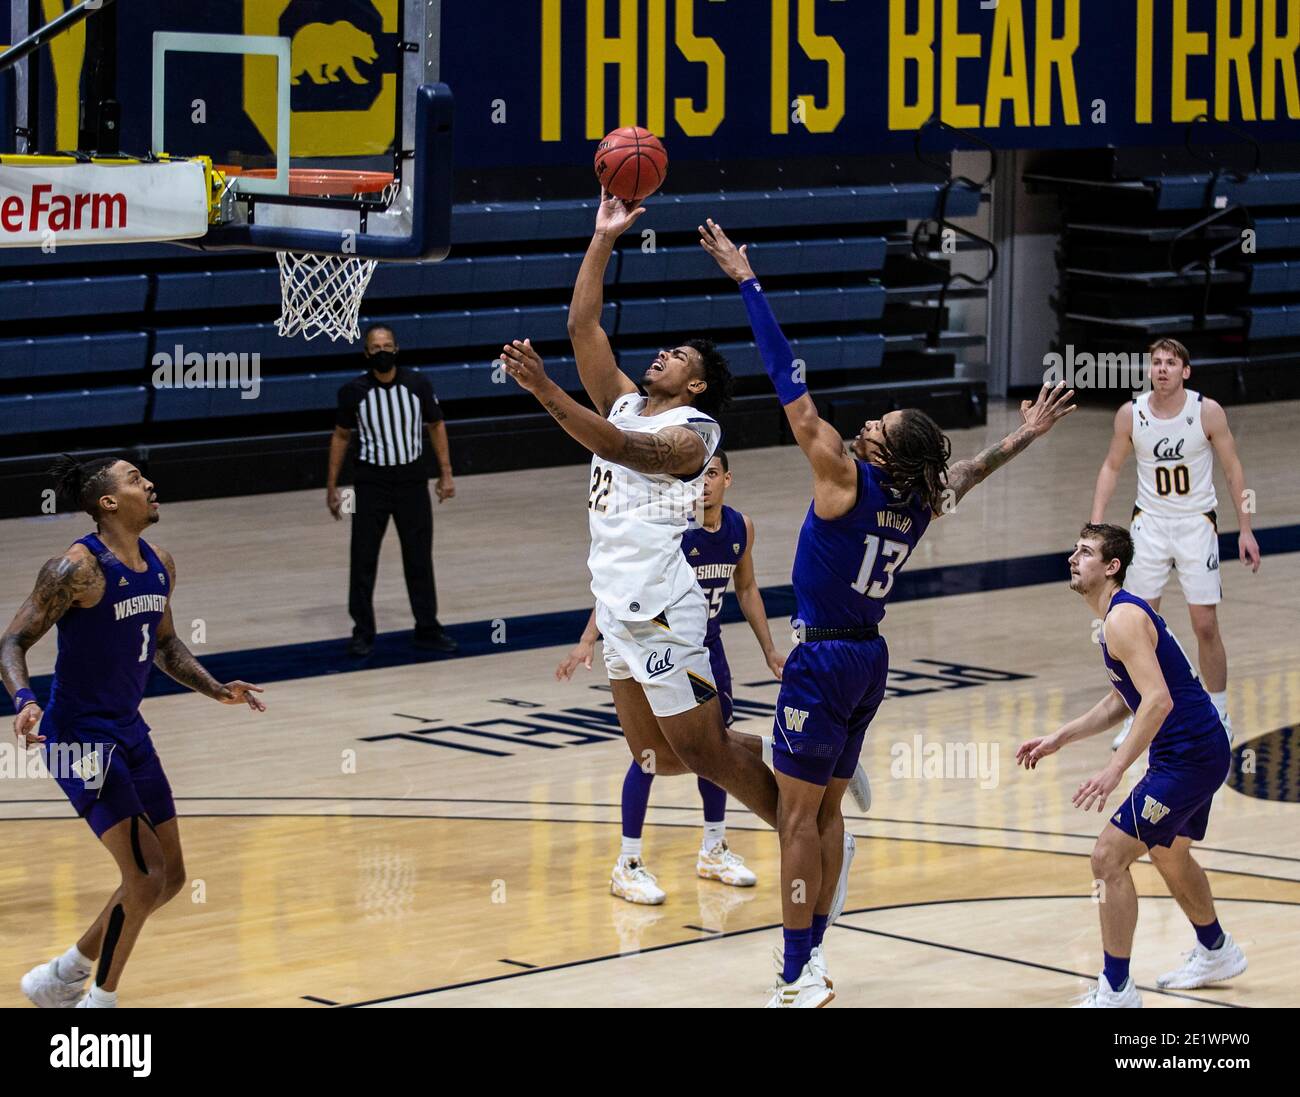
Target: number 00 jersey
1175	460
637	519
844	568
106	651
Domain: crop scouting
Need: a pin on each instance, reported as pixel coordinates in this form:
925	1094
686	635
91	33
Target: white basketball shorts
665	654
1187	544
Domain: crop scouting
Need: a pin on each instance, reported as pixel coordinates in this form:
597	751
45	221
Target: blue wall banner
540	81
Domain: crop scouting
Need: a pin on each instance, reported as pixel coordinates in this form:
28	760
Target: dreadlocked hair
915	455
81	483
716	373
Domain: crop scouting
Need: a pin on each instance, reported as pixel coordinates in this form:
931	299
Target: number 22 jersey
637	519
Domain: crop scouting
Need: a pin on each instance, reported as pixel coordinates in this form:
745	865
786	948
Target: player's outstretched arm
64	581
174	659
1215	422
597	368
820	442
751	605
1106	713
1052	405
676	450
1121	443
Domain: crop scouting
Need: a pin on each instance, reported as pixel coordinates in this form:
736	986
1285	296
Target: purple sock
636	797
798	948
714	799
1210	936
819	929
1116	969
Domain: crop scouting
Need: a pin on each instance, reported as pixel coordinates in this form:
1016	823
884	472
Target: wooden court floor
440	833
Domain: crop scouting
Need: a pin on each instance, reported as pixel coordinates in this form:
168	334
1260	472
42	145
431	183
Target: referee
390	408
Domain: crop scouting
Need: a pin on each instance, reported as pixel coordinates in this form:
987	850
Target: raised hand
733	260
614	216
1053	405
524	364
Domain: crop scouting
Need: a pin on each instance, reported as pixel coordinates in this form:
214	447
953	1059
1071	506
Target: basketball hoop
321	294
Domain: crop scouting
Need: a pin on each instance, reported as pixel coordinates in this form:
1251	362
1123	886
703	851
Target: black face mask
382	360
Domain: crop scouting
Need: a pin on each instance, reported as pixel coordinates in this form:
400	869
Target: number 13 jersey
844	568
637	518
1175	460
106	652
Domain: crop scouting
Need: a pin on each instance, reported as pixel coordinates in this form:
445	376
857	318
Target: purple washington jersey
106	652
715	557
1193	728
844	568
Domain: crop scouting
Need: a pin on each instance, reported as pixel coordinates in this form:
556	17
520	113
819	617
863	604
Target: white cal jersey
1175	460
637	519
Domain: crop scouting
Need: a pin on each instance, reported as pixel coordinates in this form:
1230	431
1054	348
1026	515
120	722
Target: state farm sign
101	203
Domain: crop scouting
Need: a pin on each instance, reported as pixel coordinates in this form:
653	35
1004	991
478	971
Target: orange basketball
631	163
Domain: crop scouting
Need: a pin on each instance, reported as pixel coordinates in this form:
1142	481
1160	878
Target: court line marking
614	822
322	1001
736	809
724	935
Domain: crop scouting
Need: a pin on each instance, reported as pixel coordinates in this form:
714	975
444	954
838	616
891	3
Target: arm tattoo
178	662
61	582
556	411
676	450
964	475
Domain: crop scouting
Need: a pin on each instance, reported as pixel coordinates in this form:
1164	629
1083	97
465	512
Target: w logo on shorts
1153	810
794	718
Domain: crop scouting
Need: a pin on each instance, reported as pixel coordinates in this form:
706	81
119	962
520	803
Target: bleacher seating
1212	259
80	327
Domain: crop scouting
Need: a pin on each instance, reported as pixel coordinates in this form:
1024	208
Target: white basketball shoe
1102	996
631	880
809	991
1203	965
816	962
44	987
860	789
842	888
717	862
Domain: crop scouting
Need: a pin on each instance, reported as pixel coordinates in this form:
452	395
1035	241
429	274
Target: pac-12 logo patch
1153	810
794	718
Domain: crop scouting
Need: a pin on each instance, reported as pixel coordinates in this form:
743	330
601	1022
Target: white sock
631	847
767	752
714	833
103	997
72	966
1220	700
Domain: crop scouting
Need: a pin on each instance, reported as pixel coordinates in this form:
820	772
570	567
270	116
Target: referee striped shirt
389	420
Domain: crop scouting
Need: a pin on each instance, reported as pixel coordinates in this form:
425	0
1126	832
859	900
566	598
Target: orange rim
319	182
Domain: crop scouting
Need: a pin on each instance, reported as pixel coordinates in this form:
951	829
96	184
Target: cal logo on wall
344	96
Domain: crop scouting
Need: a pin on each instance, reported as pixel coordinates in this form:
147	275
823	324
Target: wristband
778	358
23	698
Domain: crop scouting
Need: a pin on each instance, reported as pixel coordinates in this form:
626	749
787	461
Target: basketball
631	163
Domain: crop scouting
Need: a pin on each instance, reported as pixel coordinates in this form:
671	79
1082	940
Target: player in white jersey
1175	434
650	452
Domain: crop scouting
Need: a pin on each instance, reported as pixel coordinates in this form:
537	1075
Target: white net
321	294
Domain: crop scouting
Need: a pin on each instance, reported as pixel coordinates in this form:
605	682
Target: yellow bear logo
323	50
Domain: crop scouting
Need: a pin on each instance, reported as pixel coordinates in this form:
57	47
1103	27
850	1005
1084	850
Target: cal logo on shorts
794	718
1153	810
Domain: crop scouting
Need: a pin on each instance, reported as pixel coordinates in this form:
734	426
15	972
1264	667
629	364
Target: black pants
407	502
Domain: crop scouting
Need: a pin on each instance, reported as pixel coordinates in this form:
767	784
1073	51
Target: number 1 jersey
106	652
